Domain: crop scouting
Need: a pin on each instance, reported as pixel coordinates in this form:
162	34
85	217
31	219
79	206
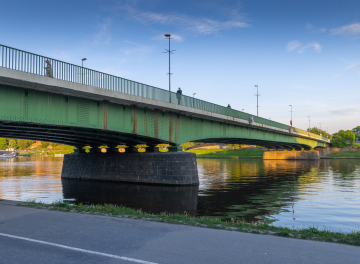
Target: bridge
46	99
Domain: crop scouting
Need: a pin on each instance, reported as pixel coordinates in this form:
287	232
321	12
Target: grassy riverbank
346	154
228	153
310	233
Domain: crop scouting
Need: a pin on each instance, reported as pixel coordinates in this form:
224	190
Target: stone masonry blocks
168	168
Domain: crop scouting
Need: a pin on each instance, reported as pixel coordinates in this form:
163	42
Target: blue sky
303	53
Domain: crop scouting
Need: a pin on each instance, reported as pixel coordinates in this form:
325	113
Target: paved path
38	236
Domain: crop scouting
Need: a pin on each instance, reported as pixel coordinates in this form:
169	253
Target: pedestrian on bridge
178	95
229	106
48	69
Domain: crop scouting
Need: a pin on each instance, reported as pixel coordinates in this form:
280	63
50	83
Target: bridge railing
36	64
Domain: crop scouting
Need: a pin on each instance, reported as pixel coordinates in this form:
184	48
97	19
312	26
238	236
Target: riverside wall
291	155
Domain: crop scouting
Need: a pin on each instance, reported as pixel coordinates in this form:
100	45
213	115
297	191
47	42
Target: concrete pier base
291	155
168	168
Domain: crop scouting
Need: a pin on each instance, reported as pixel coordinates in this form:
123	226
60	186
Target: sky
300	53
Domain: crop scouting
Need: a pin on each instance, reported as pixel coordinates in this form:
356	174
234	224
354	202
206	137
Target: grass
310	233
257	152
346	154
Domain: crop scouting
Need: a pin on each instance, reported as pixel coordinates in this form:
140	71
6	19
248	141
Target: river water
323	193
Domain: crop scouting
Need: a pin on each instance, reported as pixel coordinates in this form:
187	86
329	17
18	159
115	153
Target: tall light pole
309	121
169	51
257	100
82	70
291	115
320	126
194	99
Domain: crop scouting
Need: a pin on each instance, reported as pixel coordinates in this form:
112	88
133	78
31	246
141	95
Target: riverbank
229	153
309	233
31	235
350	154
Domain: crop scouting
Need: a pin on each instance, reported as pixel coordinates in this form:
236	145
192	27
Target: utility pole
170	52
309	121
291	115
257	99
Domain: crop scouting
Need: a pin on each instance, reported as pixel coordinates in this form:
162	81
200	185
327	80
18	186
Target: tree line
341	138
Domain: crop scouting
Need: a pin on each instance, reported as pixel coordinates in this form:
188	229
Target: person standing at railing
229	106
178	95
48	69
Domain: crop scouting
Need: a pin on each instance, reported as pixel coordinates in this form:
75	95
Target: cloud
133	48
313	29
298	47
345	112
351	29
354	66
202	25
103	35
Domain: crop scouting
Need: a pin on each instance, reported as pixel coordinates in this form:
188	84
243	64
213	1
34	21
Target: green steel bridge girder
47	116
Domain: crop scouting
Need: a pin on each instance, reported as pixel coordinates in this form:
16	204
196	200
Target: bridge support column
79	149
112	149
291	155
95	149
153	148
174	148
168	168
131	149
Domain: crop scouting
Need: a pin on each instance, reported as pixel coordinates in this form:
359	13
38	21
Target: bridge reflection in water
150	198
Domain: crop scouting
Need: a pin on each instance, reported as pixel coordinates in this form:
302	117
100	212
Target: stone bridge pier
151	167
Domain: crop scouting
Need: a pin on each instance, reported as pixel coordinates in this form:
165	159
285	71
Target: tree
341	138
3	143
43	144
54	144
319	131
22	143
12	143
356	131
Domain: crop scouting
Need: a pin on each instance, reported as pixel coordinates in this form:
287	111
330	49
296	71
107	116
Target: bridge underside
263	143
80	137
74	136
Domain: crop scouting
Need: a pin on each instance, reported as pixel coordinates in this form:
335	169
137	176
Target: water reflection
251	189
283	192
150	198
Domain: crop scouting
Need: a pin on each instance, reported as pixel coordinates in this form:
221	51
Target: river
323	193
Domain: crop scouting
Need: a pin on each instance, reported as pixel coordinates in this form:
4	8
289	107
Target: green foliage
23	143
346	154
54	144
43	144
319	131
3	143
356	131
341	138
12	143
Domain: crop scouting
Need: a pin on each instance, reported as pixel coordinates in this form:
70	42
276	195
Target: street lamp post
82	70
320	126
257	100
309	121
194	99
291	115
169	51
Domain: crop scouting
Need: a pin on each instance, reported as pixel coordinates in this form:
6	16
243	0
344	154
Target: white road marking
79	249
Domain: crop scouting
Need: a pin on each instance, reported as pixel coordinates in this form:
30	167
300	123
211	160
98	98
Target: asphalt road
38	236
